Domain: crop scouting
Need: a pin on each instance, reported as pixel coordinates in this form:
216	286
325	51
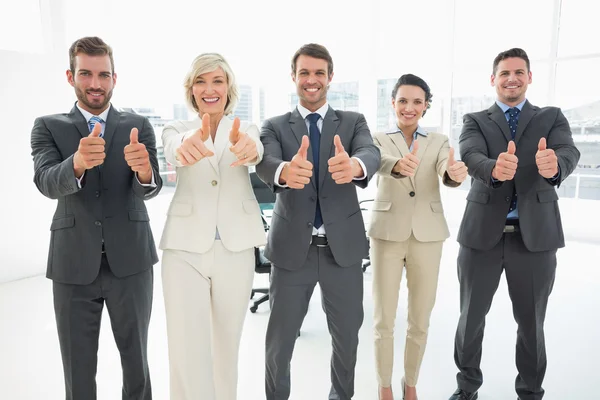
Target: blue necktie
315	138
513	120
93	121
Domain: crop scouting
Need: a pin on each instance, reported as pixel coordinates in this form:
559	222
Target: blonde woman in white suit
212	227
408	228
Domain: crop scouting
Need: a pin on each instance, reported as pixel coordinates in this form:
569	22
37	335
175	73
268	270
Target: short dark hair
512	53
92	46
316	51
413	80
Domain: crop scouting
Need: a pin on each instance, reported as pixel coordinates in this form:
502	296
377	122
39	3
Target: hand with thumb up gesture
242	145
506	164
407	165
193	149
457	170
297	173
546	160
341	167
90	152
137	158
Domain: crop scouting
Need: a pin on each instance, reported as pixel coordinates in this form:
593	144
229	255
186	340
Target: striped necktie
93	121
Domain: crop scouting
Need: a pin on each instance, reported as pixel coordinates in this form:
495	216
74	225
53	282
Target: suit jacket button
214	183
507	199
309	224
412	194
98	223
97	193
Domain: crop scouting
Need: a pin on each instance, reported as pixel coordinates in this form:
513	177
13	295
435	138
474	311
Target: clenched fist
506	164
137	157
546	160
408	164
193	148
90	152
341	167
457	170
242	145
297	173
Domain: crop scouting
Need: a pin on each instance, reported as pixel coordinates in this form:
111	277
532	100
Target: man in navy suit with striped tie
101	165
517	155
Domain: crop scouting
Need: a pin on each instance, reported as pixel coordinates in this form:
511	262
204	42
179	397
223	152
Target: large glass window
578	94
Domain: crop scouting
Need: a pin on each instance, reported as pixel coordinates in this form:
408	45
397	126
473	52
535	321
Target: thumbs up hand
546	160
138	158
506	164
457	170
297	173
407	165
90	152
341	167
242	145
193	149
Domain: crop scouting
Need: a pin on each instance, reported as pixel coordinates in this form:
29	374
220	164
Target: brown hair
92	46
316	51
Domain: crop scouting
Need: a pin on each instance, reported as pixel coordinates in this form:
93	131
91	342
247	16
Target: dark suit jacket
109	205
292	222
484	136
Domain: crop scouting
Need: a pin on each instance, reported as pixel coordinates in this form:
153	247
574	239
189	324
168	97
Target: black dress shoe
462	395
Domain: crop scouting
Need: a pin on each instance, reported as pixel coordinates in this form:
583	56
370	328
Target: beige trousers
206	299
421	260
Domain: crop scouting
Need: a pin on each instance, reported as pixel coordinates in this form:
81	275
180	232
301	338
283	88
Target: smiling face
210	93
93	80
511	80
409	105
312	81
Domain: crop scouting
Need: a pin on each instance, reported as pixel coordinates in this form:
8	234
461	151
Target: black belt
319	241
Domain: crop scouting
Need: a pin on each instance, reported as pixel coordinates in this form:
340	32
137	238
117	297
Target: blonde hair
209	62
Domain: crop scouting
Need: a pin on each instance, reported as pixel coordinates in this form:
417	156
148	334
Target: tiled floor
30	367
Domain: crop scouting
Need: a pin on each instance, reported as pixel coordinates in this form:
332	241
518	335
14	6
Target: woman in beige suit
408	228
212	227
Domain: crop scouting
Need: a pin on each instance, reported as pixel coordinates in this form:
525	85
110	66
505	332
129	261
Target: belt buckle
320	236
509	229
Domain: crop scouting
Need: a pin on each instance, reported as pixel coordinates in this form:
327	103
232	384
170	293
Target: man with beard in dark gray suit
100	164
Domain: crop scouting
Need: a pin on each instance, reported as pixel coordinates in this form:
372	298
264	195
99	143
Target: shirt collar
87	115
505	107
419	131
321	111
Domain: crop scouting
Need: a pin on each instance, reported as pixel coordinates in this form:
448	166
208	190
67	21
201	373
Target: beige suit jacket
405	205
211	194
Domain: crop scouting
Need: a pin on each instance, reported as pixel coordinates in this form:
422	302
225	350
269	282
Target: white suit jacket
211	194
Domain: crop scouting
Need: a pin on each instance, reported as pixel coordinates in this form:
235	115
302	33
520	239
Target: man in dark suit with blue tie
517	154
101	165
317	233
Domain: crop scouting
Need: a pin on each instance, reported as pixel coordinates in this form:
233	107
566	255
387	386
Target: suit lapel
423	143
112	121
326	148
79	121
525	117
298	127
495	113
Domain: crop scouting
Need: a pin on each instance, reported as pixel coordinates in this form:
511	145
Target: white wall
32	83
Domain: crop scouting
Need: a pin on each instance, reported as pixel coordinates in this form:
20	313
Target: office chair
266	201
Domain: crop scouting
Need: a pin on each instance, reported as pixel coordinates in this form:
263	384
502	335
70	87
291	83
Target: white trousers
206	300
